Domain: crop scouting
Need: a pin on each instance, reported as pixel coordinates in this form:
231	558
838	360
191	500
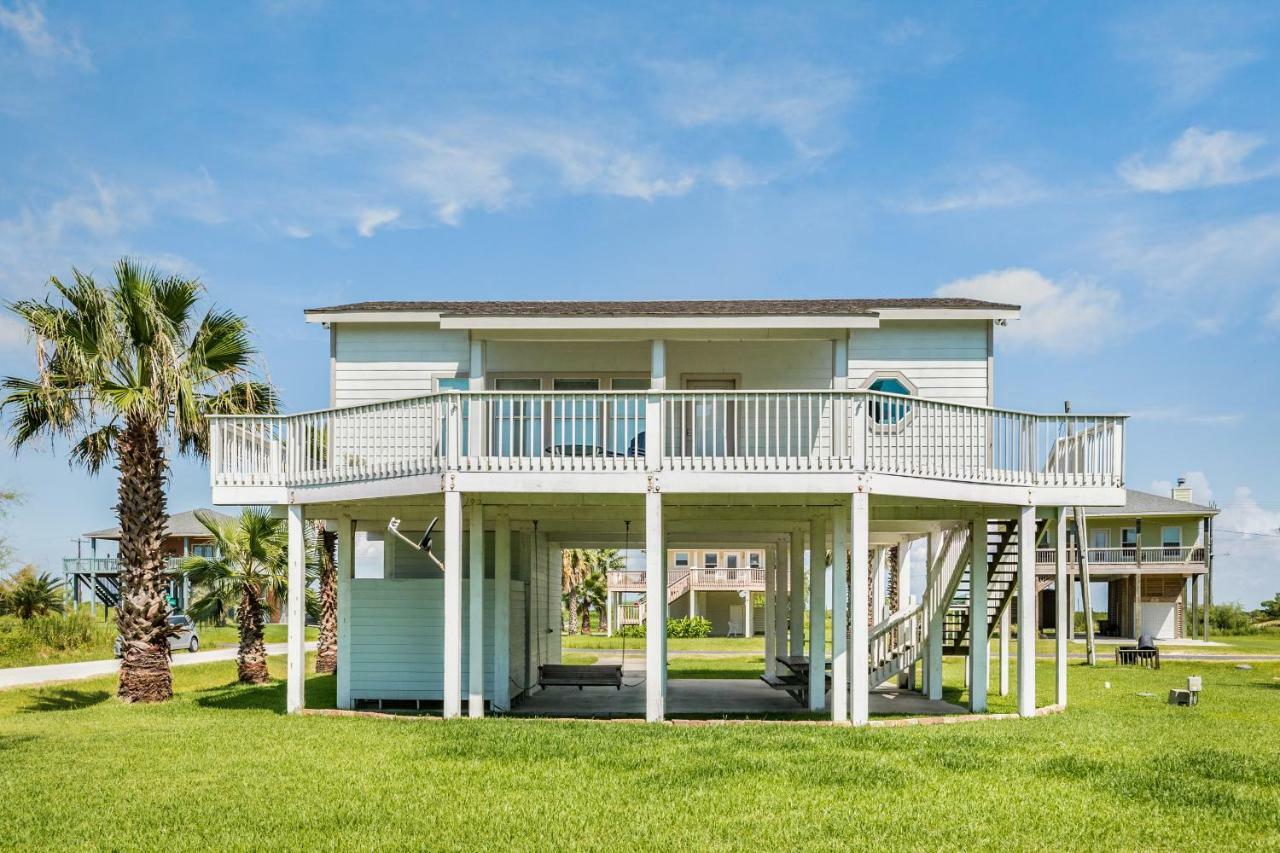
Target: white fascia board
648	322
372	316
948	313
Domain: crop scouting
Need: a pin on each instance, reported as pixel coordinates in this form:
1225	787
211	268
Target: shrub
687	627
43	635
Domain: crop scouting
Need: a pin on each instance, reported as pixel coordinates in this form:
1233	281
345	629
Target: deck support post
839	614
346	571
817	613
770	621
655	608
937	625
780	575
452	604
1026	611
879	584
979	640
500	699
475	615
859	654
1006	628
295	699
748	615
1062	591
795	591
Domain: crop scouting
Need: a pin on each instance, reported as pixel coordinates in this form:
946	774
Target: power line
1246	532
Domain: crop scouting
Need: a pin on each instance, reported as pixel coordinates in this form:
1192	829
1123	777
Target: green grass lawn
100	649
220	767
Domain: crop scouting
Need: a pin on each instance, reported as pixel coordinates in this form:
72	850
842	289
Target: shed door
1159	619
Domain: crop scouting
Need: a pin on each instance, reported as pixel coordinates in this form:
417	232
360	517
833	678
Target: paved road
25	676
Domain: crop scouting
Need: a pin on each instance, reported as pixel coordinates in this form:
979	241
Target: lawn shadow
321	692
64	699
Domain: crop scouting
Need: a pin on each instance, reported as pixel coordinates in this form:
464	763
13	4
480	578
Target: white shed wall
374	362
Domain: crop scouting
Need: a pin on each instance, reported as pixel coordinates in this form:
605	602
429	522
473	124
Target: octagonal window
889	412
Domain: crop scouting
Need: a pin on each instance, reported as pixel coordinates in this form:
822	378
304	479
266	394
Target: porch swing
587	675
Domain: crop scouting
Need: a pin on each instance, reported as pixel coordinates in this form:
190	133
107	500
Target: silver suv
186	638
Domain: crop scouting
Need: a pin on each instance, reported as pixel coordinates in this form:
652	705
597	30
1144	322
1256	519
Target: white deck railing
1153	554
703	431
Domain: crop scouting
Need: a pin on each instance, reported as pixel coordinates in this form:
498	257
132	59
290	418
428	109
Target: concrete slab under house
815	441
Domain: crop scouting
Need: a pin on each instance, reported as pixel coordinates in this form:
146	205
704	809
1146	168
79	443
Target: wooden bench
1134	656
589	675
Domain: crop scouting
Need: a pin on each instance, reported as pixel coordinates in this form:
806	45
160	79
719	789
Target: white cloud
371	219
1201	491
1214	272
26	21
1187	50
13	335
802	102
91	228
296	232
987	187
1198	158
1057	317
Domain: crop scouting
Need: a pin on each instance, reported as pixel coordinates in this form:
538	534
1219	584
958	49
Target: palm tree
327	640
122	370
28	594
573	568
251	564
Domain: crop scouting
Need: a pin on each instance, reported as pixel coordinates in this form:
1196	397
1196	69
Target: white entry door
1159	619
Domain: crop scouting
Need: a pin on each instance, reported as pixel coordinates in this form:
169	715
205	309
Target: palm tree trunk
327	642
251	659
142	616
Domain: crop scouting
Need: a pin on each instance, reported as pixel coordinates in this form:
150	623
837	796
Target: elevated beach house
796	428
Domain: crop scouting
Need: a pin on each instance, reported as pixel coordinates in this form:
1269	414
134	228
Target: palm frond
96	448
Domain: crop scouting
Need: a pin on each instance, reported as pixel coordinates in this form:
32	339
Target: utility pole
1082	556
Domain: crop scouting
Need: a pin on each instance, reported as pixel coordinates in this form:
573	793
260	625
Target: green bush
687	627
43	635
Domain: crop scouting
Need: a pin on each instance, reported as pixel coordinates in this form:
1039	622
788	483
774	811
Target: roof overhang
649	321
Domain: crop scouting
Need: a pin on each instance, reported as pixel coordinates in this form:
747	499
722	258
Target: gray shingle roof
181	524
1144	503
674	308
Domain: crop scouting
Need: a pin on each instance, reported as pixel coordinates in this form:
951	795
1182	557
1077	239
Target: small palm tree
573	569
327	583
251	566
590	594
121	370
28	594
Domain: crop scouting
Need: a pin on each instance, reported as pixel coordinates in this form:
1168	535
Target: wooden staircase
675	589
1002	580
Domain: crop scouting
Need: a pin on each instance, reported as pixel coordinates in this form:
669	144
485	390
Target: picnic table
796	680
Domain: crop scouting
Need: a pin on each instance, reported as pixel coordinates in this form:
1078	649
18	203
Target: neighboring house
797	428
96	578
716	584
1154	554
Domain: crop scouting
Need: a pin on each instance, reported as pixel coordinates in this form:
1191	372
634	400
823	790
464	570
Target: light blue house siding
397	637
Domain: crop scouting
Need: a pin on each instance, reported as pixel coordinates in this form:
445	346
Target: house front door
710	418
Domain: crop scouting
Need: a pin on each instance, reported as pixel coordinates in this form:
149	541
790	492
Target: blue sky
1114	168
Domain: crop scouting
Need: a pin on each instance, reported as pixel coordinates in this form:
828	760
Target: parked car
187	637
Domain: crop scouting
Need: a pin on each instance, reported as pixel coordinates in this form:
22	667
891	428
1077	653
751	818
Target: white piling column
979	641
781	574
770	590
655	609
937	623
475	614
859	654
346	572
1027	611
795	591
879	579
748	615
839	614
1062	592
452	604
500	696
818	613
295	694
1006	628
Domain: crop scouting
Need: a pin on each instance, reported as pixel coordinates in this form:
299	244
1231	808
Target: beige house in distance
715	583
